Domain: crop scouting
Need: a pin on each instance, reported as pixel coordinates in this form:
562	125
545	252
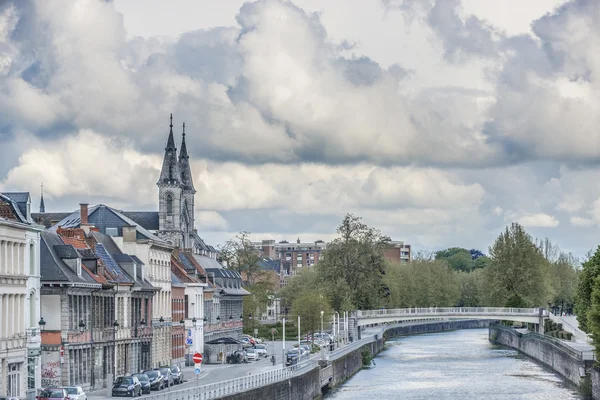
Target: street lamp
194	322
218	319
81	326
161	321
182	322
231	317
115	328
143	323
322	312
42	324
205	320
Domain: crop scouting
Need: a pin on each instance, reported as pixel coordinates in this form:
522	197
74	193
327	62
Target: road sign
188	341
197	358
273	331
197	370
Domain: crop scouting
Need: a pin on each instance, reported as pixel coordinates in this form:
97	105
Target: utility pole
299	336
283	345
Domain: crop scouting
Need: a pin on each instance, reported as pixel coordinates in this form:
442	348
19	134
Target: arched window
169	199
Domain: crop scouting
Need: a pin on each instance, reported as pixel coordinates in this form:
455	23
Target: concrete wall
543	349
346	366
304	387
595	376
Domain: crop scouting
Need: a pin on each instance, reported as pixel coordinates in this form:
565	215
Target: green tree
516	267
255	303
353	266
307	280
309	306
471	285
583	299
458	259
593	315
564	278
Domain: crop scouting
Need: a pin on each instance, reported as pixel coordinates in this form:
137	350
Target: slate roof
53	269
103	217
16	208
169	173
178	269
175	281
21	198
45	219
111	265
145	219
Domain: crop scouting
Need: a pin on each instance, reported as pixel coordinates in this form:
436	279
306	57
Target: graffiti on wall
51	370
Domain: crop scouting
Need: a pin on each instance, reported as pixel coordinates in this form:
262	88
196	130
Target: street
212	373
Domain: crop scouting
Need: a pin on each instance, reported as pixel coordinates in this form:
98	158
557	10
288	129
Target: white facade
19	308
157	261
194	293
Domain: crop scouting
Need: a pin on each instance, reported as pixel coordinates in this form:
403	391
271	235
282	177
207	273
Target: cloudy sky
437	121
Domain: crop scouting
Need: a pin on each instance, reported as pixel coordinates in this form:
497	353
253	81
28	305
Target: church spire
42	206
169	174
184	165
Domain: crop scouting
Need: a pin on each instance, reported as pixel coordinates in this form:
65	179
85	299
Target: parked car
291	357
252	355
8	398
249	339
75	392
127	386
145	382
156	379
177	374
166	374
261	349
53	394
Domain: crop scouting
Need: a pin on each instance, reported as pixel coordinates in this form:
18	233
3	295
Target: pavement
212	373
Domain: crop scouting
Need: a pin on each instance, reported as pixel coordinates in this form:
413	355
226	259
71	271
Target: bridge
365	318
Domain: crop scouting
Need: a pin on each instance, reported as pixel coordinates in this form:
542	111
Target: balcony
18	341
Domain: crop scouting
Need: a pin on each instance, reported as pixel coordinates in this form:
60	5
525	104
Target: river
453	365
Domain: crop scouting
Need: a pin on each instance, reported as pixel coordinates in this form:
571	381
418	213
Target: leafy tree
239	254
593	315
583	299
309	306
471	285
460	259
564	278
353	266
256	303
307	280
517	267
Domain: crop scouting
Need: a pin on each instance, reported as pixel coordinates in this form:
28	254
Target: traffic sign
197	370
197	358
188	341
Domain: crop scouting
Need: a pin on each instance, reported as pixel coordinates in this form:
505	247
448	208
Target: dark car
127	386
156	379
177	374
145	382
292	357
166	374
54	393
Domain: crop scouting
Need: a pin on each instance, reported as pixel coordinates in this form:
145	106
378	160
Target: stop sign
197	358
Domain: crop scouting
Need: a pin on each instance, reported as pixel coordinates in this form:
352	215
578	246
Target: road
212	373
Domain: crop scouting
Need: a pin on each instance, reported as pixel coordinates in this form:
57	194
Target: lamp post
81	326
252	321
42	324
115	328
321	335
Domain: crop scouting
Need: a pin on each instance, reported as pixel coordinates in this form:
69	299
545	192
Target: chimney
129	233
130	267
83	213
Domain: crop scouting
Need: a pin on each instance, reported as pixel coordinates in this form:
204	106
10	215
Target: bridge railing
342	351
448	310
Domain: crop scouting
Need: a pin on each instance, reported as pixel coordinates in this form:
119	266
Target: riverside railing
578	333
237	385
433	311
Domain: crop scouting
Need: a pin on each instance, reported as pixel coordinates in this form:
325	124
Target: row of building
99	292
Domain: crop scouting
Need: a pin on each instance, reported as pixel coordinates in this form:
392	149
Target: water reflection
453	365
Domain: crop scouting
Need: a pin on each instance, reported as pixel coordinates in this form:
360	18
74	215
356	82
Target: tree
471	285
239	255
309	307
353	266
517	267
460	259
564	278
583	299
307	280
255	303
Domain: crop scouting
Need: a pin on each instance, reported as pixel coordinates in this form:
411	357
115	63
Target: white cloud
210	221
538	221
580	221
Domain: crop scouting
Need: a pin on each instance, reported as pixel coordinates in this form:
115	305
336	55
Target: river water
458	365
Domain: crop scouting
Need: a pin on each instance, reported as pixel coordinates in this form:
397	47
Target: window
31	373
169	201
32	271
13	384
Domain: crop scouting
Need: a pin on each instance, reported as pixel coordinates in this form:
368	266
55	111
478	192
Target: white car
252	354
75	392
261	349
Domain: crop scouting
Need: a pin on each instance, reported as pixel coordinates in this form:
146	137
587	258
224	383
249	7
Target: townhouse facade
20	372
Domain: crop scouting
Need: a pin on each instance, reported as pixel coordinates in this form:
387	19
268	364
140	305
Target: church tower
170	191
188	193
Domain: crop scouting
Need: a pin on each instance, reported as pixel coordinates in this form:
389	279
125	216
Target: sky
439	122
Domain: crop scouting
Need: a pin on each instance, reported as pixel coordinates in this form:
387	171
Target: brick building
178	315
291	255
398	252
